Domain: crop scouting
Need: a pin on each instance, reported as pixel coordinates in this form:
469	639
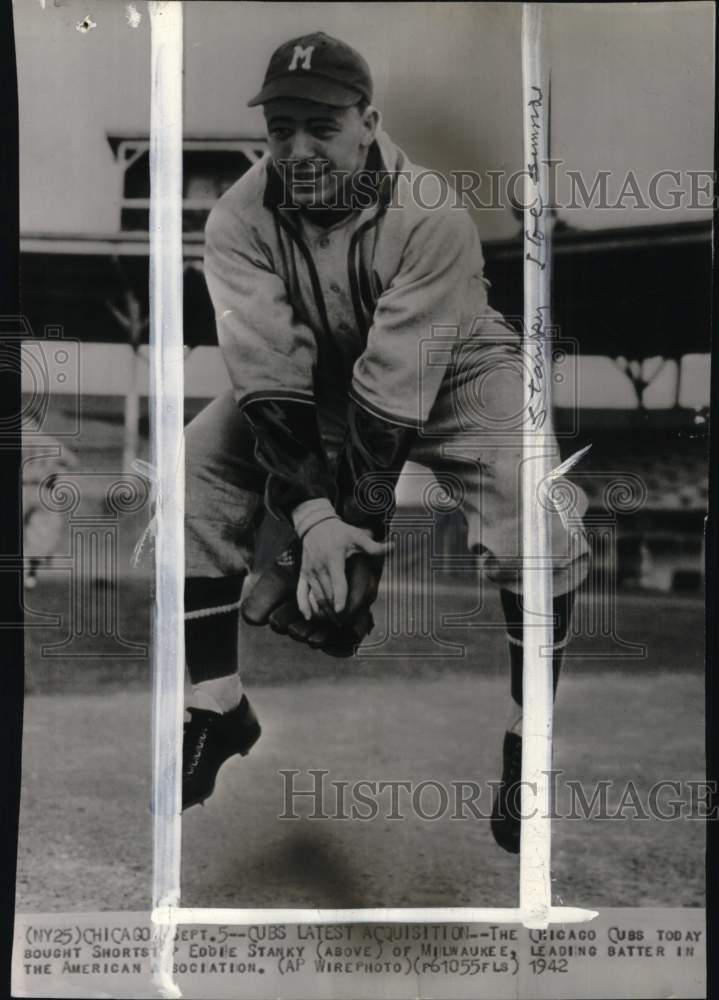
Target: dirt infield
85	822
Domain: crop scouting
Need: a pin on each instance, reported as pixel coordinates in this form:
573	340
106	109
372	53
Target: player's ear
371	120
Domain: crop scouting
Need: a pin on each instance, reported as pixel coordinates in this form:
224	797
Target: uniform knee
507	574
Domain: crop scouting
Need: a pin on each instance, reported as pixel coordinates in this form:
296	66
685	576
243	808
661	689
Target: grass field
85	822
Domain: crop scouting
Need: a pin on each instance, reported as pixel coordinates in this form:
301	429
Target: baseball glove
272	602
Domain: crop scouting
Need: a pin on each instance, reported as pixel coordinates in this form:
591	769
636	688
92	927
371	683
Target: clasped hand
322	589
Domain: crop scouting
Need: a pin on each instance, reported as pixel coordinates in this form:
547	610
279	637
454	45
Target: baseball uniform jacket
403	268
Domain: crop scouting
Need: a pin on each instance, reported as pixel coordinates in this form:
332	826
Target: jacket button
325	242
334	287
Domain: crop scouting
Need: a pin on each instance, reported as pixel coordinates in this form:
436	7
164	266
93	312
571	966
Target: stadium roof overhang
633	292
94	286
636	292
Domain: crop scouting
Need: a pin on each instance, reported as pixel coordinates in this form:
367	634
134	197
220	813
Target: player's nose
302	150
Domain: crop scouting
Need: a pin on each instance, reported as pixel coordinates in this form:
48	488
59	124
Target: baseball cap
319	68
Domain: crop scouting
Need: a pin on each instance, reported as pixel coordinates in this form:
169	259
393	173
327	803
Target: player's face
318	148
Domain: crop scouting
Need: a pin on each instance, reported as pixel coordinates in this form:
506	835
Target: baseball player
42	526
327	276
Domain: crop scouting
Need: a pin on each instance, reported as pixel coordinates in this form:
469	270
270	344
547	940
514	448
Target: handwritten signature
534	234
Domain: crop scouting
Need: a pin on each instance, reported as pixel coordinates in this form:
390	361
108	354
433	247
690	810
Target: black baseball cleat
210	738
506	809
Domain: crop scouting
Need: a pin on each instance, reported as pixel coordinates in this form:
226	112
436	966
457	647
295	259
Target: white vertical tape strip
166	418
535	854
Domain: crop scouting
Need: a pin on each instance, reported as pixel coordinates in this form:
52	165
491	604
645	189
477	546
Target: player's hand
341	638
322	590
341	635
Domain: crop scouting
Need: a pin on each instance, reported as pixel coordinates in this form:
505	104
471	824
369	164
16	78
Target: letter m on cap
302	55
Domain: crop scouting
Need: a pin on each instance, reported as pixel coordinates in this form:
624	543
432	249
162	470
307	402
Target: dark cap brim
307	88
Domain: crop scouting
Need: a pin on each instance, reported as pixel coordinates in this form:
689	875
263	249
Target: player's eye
280	133
324	131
